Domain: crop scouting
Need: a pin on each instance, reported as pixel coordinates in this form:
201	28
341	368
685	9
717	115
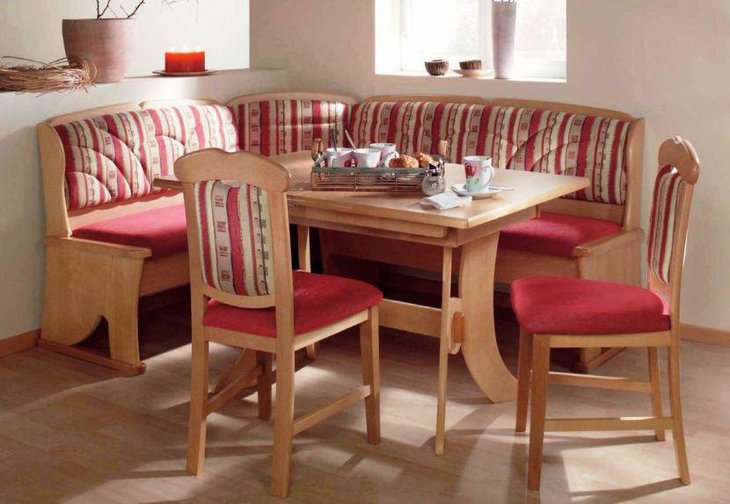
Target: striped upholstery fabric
516	138
663	221
115	157
235	238
558	142
278	127
419	126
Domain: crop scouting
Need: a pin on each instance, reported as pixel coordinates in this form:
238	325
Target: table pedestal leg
476	290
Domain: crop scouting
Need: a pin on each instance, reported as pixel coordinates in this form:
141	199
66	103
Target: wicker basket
401	180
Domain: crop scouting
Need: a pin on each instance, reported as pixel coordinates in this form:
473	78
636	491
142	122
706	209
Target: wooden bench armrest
603	245
96	247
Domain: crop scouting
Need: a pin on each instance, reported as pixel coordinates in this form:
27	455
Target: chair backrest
238	231
679	170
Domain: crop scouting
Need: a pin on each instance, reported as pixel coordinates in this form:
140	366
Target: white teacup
367	158
339	158
479	172
387	151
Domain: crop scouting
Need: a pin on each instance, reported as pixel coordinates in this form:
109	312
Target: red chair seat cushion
162	230
555	234
319	300
558	305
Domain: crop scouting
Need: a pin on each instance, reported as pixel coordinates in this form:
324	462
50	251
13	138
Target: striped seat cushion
235	238
115	157
275	127
516	138
663	221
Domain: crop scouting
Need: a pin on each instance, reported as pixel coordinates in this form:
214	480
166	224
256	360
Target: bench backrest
116	156
279	123
534	136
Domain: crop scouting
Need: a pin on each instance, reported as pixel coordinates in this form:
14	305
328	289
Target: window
409	32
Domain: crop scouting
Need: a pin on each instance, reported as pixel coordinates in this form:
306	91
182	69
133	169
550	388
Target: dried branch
131	15
100	12
106	8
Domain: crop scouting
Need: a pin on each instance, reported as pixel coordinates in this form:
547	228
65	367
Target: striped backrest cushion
115	157
275	127
663	222
516	138
235	238
558	142
417	126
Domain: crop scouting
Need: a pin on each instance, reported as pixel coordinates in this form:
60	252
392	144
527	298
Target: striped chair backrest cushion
516	138
115	157
663	222
276	127
235	238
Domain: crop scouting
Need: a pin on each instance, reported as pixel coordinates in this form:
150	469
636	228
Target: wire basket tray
402	180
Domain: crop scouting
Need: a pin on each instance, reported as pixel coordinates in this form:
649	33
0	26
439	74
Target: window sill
488	76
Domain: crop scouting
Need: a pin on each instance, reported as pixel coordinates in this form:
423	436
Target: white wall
21	192
32	29
665	60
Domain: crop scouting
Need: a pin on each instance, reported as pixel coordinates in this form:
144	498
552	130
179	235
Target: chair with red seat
575	313
244	294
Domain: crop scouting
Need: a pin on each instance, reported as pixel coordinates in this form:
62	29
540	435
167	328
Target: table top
530	189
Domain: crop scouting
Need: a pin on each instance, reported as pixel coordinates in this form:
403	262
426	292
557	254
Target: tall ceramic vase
105	43
504	15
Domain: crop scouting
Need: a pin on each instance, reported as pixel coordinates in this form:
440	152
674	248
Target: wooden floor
76	433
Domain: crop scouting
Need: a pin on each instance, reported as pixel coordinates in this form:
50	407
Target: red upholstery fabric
161	230
319	300
559	305
555	234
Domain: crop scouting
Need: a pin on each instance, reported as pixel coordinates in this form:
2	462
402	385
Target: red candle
184	61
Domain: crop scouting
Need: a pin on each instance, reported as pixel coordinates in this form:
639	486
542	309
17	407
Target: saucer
461	191
473	73
183	74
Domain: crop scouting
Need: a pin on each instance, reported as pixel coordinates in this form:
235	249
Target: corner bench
111	236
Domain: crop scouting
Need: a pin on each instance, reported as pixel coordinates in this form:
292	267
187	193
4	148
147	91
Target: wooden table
464	322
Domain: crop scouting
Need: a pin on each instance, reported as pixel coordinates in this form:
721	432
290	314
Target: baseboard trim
19	343
705	335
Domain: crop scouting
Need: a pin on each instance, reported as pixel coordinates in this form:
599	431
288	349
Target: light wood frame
215	164
613	258
86	280
534	373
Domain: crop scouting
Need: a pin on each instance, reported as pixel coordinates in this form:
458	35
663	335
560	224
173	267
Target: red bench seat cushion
319	300
559	305
555	234
162	230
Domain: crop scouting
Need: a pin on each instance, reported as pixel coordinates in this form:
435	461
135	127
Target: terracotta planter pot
504	15
106	43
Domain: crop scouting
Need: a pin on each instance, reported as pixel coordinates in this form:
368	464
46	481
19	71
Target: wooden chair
574	313
244	294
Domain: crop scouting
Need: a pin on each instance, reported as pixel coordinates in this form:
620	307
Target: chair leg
263	385
370	353
540	371
198	400
523	380
680	448
283	424
656	390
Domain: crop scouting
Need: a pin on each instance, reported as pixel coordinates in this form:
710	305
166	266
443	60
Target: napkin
445	201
